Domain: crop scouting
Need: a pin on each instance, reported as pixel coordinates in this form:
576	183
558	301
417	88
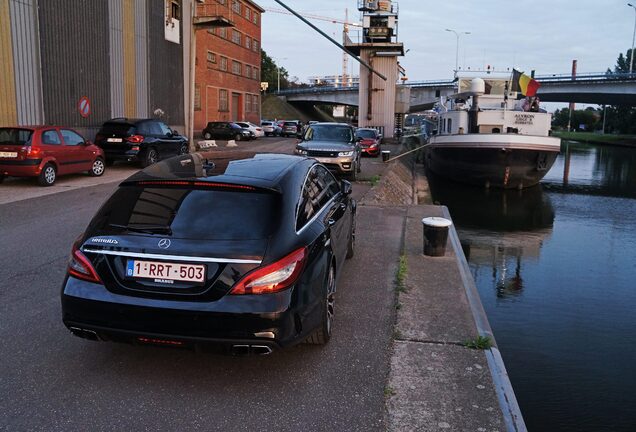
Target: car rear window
266	123
212	214
117	128
15	136
290	124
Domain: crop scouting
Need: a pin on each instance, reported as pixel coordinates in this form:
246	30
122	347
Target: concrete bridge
592	88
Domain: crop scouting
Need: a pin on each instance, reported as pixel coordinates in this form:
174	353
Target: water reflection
593	170
498	229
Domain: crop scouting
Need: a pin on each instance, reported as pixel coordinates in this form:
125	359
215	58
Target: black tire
207	135
98	168
351	245
109	162
2	177
237	137
359	166
150	157
184	149
48	175
322	335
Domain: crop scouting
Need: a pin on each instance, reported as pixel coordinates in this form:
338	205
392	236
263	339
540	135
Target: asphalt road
53	381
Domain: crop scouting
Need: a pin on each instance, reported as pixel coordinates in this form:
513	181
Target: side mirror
358	139
345	187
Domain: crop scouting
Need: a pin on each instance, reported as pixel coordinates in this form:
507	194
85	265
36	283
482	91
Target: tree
621	119
269	73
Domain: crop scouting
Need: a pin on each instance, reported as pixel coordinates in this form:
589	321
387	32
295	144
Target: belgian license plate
166	271
9	154
115	140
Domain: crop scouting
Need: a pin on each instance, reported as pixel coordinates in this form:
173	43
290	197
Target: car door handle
331	222
343	206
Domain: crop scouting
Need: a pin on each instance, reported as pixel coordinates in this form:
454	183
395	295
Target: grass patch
480	343
389	391
400	277
375	180
397	334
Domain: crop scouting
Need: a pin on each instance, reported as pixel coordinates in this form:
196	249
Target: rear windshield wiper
145	228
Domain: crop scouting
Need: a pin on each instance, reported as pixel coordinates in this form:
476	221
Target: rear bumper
270	320
21	168
129	155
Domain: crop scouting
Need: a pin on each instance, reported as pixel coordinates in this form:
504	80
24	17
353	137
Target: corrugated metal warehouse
79	63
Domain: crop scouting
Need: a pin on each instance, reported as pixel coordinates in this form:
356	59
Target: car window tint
51	137
193	214
71	138
328	182
143	128
117	129
329	133
15	136
165	130
155	129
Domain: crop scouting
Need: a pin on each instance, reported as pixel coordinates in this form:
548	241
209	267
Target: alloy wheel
331	300
98	167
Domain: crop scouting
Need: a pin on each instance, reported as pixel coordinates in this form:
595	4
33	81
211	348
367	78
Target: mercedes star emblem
164	243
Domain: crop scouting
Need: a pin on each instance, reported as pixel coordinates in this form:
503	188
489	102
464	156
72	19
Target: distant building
335	80
79	63
228	64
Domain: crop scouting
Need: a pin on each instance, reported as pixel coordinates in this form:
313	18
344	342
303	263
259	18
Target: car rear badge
105	240
164	243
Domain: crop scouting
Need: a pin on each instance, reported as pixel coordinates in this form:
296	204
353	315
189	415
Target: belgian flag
524	84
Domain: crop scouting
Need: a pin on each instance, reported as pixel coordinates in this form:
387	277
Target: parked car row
47	152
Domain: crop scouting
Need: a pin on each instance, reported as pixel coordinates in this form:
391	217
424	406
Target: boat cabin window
496	130
450	125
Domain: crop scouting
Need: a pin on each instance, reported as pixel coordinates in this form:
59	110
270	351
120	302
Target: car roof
262	170
331	124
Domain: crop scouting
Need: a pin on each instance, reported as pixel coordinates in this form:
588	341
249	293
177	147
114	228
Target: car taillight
259	129
135	139
80	267
274	277
33	151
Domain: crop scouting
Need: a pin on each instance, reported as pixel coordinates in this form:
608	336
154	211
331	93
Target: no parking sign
84	106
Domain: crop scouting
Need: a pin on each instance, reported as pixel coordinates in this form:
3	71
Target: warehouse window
248	42
223	106
236	67
223	63
248	71
223	32
211	57
255	18
236	6
255	45
247	14
248	103
197	97
255	74
236	37
175	10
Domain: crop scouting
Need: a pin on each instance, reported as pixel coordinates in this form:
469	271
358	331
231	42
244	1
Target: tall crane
345	33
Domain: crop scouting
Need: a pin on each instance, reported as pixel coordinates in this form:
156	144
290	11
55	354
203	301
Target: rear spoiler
198	184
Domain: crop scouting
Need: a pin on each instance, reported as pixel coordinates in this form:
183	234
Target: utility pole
631	54
457	47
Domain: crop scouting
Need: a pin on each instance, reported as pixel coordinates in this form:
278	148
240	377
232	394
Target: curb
503	388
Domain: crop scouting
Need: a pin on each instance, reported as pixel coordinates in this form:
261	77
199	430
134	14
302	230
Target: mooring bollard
435	235
386	155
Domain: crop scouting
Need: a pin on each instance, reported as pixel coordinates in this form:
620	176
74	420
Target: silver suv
334	145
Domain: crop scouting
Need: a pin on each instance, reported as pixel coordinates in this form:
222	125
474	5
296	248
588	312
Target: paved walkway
436	383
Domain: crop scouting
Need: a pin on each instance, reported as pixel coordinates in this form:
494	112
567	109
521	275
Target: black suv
225	131
143	140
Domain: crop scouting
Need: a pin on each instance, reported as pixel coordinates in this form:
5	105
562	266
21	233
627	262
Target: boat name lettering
524	119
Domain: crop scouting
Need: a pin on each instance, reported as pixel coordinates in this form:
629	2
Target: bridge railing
554	78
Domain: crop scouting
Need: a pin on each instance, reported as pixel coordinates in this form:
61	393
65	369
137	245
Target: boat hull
506	164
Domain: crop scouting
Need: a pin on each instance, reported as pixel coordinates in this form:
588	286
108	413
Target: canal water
555	266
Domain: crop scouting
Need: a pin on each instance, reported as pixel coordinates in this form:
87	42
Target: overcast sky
545	35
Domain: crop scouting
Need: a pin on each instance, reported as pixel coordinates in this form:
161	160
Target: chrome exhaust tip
261	349
245	350
84	333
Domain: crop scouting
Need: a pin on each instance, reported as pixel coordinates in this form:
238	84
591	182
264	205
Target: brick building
228	64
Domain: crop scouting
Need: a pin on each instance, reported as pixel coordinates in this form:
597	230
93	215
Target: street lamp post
457	47
631	54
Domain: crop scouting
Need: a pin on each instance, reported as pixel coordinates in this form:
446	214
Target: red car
370	141
46	152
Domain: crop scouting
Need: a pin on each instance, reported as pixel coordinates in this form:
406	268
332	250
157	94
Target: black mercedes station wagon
239	250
